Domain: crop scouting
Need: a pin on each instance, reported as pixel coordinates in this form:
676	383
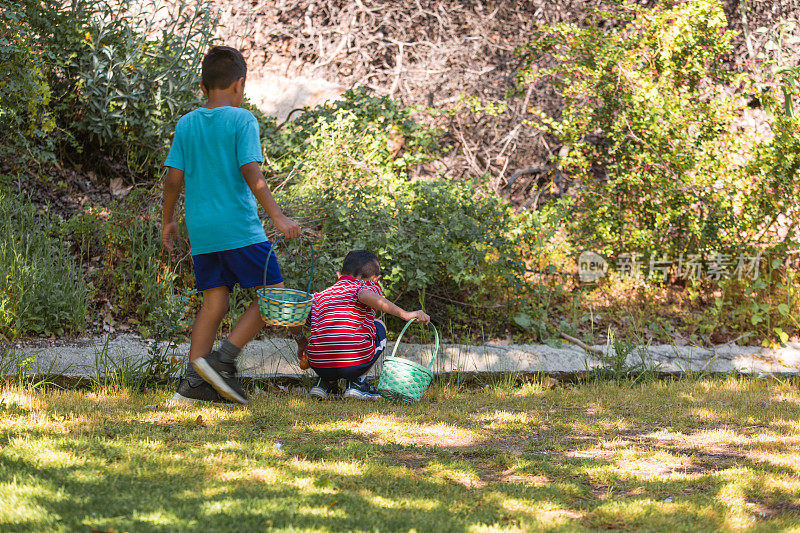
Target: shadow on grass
579	459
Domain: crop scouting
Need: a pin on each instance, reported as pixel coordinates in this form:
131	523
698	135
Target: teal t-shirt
210	146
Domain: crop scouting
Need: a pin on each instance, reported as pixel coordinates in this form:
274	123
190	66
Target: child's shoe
221	376
325	389
362	390
186	394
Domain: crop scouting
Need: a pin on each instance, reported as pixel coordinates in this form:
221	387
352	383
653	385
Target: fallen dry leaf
118	190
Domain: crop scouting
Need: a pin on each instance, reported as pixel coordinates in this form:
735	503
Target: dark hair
361	264
222	66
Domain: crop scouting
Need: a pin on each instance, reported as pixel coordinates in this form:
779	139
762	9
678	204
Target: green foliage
646	119
119	371
774	186
356	139
43	291
130	263
120	74
624	361
778	78
535	309
774	164
25	117
658	166
434	239
444	245
136	274
765	308
133	88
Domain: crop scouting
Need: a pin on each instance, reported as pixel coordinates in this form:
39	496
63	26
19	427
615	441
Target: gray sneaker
186	394
221	376
325	389
362	390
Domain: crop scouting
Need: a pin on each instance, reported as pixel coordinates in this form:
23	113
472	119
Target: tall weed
44	290
625	361
137	275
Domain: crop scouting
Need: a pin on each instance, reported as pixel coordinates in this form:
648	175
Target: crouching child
345	339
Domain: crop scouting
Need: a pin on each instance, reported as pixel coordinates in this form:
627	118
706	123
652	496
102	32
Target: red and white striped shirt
342	328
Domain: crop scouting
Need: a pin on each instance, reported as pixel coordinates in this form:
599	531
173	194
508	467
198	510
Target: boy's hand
302	358
168	231
288	227
255	180
379	303
173	183
419	315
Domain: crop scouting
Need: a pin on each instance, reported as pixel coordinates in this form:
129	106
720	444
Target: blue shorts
354	372
244	266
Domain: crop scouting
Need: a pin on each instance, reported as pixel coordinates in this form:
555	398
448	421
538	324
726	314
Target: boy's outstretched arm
255	180
380	303
173	184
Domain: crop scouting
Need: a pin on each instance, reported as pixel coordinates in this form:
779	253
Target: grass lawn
688	455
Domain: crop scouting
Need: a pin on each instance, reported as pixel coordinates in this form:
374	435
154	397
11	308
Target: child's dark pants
352	373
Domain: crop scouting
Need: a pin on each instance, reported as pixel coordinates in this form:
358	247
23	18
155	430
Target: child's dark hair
361	264
222	66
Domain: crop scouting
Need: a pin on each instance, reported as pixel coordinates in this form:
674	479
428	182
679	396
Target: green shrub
120	74
44	292
776	162
774	184
646	118
132	87
435	234
357	138
439	242
25	116
445	245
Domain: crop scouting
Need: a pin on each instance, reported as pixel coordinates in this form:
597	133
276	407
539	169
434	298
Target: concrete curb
276	358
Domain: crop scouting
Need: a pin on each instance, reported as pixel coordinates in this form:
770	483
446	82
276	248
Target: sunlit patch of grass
683	455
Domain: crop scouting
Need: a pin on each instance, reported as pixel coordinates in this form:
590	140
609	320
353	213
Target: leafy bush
132	88
646	118
25	117
441	242
358	138
428	234
120	74
772	172
774	186
44	292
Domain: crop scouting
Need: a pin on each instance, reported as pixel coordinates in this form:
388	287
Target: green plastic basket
403	380
285	307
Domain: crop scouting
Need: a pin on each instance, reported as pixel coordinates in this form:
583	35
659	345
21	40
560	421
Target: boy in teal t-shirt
215	157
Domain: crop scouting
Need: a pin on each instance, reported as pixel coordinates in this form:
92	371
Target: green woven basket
285	307
403	380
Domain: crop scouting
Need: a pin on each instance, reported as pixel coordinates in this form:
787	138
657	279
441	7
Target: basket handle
435	334
272	252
